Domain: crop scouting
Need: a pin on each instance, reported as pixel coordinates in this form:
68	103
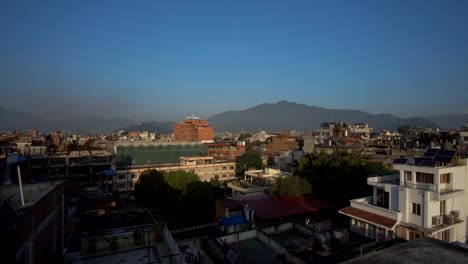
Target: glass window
413	235
224	168
133	175
231	167
201	170
216	169
382	198
416	209
409	176
209	169
121	185
121	176
445	178
443	207
422	177
224	176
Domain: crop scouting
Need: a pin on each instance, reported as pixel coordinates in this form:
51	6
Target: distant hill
450	121
11	120
152	126
286	115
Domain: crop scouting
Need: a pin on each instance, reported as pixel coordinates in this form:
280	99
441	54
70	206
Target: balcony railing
384	179
423	186
366	204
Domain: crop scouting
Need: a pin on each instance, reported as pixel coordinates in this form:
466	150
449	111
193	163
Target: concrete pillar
29	252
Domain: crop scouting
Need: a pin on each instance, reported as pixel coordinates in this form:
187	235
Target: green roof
156	154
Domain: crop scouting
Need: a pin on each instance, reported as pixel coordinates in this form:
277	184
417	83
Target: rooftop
254	251
33	192
424	250
270	207
367	216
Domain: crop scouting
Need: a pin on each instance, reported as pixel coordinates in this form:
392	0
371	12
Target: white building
426	198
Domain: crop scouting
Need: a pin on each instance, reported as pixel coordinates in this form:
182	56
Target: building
464	136
206	167
255	182
193	129
283	142
226	150
33	231
57	138
425	198
73	166
155	153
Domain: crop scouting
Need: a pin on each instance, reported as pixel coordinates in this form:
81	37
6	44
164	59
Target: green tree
293	186
248	160
198	203
180	179
244	136
340	176
152	190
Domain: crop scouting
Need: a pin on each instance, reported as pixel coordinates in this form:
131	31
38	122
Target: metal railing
423	186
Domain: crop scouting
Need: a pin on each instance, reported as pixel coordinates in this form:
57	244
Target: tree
340	176
248	160
293	186
198	203
180	179
244	136
152	190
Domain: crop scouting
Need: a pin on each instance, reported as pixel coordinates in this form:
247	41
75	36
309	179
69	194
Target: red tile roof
268	207
368	217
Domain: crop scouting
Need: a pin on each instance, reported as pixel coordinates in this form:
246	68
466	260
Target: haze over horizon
164	60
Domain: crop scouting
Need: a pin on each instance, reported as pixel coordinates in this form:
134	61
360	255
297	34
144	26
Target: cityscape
233	132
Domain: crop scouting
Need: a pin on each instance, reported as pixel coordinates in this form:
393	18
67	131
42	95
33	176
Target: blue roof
233	220
108	172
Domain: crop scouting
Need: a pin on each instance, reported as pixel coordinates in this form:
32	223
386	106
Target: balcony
365	204
422	186
380	181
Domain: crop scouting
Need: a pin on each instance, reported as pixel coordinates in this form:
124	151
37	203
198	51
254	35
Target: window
443	207
133	175
192	171
224	168
121	185
409	176
416	209
382	198
216	169
121	176
422	177
231	167
209	169
224	176
130	185
445	178
201	170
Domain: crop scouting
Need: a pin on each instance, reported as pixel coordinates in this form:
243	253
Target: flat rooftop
293	239
33	192
254	251
134	256
424	250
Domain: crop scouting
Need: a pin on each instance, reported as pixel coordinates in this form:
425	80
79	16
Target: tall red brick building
193	129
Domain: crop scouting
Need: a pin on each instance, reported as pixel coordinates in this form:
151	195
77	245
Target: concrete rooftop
32	192
424	250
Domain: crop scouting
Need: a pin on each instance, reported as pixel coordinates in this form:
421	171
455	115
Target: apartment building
226	150
206	167
426	198
193	129
283	142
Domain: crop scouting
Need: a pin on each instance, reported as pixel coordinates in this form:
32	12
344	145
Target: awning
376	219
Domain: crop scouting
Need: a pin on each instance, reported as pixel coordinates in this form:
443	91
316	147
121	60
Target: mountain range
278	116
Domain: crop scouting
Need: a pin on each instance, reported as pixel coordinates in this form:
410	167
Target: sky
163	60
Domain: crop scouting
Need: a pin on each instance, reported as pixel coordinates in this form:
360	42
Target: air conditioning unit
455	214
449	219
437	220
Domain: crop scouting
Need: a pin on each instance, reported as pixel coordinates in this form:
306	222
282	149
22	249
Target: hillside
288	115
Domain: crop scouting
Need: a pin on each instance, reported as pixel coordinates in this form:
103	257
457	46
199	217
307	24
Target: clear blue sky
162	60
